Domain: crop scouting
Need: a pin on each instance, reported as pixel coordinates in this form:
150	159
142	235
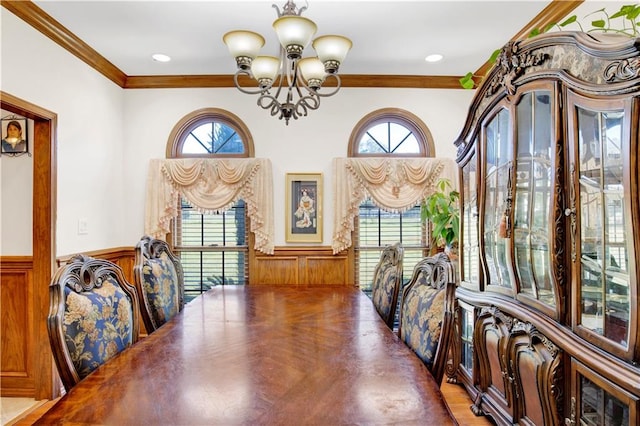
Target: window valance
393	184
211	185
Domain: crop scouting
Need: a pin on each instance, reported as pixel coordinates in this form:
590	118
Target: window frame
199	117
397	116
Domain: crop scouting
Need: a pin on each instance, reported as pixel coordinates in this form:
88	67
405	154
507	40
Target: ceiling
389	37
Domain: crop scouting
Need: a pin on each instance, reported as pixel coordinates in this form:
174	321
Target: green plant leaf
571	19
634	13
494	56
467	81
621	12
598	23
534	32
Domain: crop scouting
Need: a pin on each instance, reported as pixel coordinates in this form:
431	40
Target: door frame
43	236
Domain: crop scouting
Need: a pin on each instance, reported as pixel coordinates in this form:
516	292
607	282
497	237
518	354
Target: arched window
391	132
210	132
213	247
388	132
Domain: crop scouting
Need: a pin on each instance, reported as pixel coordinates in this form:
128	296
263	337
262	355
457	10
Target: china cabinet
547	323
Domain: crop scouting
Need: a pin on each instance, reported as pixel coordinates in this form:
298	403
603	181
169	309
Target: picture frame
303	209
15	140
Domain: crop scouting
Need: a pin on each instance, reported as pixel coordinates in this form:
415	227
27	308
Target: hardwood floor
456	397
459	403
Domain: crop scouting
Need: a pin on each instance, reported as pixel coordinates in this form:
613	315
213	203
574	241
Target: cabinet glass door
598	402
466	336
470	242
604	257
532	198
498	155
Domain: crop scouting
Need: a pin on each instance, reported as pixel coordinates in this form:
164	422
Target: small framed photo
304	207
14	135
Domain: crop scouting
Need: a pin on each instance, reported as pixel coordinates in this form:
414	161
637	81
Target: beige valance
393	184
211	185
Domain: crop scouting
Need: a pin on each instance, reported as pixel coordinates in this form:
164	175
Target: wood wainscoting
309	265
19	318
18	342
124	257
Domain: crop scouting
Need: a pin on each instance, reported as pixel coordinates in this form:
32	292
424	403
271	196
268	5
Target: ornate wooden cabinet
547	320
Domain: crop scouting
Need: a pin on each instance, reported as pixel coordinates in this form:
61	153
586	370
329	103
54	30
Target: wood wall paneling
17	324
311	265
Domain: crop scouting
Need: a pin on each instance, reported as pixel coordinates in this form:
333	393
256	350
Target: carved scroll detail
511	64
622	70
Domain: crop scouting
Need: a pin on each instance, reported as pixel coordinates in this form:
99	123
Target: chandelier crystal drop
288	85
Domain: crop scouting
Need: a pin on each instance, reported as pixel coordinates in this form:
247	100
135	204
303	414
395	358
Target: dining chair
93	315
387	279
427	312
159	280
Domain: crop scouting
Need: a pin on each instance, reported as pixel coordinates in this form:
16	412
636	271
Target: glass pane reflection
605	300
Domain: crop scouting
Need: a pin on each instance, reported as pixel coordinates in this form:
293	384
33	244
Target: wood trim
111	254
124	257
348	80
43	22
555	11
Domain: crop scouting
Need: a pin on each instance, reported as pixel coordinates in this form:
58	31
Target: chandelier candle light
290	75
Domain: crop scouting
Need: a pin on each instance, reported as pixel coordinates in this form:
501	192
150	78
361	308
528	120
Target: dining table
262	355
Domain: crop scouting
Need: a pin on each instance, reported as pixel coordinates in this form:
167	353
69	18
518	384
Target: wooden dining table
262	355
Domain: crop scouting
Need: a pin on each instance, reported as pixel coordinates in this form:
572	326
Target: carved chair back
427	312
159	280
93	315
387	280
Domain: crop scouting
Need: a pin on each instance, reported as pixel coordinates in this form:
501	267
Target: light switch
83	226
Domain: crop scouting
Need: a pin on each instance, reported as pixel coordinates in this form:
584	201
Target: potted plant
442	211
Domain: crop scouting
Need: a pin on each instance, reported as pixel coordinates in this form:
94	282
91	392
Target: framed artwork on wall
303	208
14	135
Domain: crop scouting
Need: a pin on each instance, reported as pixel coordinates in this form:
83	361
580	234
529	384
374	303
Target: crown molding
44	23
348	80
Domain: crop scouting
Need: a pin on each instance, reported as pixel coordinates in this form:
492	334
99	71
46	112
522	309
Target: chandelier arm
311	102
335	89
267	101
254	91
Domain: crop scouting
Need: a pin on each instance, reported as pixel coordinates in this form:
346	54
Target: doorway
39	378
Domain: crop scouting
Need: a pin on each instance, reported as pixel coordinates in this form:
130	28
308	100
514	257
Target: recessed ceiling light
434	58
159	57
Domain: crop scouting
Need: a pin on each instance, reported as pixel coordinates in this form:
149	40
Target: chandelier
290	85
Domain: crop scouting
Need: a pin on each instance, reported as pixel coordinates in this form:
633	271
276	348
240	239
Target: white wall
16	200
106	135
89	136
306	145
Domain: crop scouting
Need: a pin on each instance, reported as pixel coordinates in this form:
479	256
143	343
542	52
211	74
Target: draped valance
211	185
393	184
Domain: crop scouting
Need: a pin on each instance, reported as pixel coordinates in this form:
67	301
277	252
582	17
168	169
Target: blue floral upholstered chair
93	315
159	280
427	312
387	279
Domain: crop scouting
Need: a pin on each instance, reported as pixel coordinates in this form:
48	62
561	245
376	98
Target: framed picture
304	207
14	135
